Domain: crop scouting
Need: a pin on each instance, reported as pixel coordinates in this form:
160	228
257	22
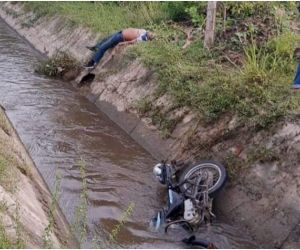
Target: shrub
57	65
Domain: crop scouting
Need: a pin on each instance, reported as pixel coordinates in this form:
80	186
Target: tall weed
47	242
58	64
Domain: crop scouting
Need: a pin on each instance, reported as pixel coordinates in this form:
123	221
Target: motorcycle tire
217	166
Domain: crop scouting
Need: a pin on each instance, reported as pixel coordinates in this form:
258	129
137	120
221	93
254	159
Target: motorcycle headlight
157	170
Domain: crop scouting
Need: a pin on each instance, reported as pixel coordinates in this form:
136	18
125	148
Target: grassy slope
258	91
9	179
255	88
103	17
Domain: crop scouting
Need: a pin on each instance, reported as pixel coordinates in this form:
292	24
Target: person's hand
117	48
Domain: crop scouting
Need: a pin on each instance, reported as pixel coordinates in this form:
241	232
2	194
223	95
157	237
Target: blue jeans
108	43
296	83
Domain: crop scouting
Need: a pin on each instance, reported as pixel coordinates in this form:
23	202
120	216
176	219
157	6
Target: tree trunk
210	24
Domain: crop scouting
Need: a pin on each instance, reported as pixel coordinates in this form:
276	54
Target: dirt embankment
264	201
25	198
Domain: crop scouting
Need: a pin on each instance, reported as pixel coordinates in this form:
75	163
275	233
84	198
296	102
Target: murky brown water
58	126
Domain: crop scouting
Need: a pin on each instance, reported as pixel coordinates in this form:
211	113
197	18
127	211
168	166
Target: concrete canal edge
23	189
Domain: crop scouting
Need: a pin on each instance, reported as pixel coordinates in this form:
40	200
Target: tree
210	24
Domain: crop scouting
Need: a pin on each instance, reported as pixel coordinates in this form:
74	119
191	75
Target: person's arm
127	42
119	45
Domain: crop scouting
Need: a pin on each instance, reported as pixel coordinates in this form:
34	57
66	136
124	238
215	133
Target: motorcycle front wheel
213	172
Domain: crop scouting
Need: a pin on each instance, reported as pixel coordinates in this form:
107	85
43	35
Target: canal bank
25	198
269	189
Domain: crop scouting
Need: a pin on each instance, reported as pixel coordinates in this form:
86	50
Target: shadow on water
58	126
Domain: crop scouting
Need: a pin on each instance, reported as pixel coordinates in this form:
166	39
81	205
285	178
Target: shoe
92	48
296	86
90	65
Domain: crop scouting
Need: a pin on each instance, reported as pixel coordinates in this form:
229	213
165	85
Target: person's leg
105	39
97	46
296	84
110	43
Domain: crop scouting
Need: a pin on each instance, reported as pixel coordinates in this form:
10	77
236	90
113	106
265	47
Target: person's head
150	35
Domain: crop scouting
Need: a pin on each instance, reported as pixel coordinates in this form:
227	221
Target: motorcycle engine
190	213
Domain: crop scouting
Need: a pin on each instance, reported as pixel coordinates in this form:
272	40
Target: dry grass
3	124
11	163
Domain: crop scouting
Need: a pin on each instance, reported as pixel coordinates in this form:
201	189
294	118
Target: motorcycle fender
175	202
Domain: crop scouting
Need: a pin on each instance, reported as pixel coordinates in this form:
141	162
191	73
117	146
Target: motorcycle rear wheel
216	171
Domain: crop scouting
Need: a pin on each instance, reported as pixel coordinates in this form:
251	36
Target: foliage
196	18
104	17
262	154
8	169
246	9
79	225
57	65
257	91
177	10
47	243
6	241
117	228
20	243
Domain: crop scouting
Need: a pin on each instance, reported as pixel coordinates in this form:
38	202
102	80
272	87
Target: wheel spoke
211	173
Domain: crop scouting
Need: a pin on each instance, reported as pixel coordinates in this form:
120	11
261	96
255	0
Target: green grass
102	17
258	92
6	241
8	171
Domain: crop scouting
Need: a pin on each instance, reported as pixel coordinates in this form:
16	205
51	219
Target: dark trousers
106	44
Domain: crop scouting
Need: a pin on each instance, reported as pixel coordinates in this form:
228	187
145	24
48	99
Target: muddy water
58	126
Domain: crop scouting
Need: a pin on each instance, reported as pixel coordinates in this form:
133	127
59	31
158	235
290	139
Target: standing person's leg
296	84
110	43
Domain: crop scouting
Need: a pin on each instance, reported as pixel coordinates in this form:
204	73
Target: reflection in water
58	126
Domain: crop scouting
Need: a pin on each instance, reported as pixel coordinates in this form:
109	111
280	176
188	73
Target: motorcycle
199	242
190	193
